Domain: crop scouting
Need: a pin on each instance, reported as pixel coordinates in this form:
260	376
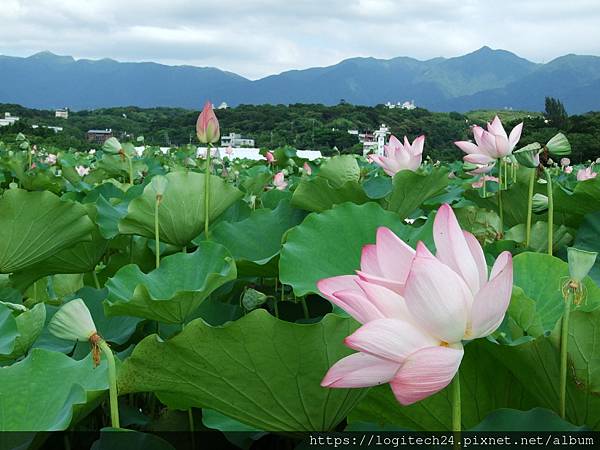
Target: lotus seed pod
580	263
73	322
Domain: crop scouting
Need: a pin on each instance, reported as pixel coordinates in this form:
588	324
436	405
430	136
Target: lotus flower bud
207	126
580	263
73	322
159	185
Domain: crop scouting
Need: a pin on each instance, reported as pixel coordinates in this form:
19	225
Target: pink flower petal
496	127
426	372
502	147
390	339
438	298
393	254
452	247
478	158
467	147
418	145
491	302
329	286
515	135
360	370
392	285
477	251
388	303
368	259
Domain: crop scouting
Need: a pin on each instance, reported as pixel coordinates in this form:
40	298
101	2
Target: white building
253	154
8	120
409	105
223	105
55	129
62	113
374	142
236	140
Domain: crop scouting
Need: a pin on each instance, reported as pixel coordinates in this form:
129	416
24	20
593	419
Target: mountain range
484	79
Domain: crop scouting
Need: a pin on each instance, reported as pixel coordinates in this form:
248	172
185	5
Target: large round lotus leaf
181	212
340	169
536	419
257	239
484	387
570	208
411	189
588	239
37	225
174	290
561	236
536	366
330	243
318	194
29	325
47	391
541	277
80	258
258	370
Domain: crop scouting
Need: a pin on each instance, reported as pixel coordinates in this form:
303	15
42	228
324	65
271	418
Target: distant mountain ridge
483	79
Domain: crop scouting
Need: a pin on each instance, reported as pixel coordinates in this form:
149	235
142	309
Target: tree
556	113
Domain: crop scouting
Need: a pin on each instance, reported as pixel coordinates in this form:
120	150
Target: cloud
257	38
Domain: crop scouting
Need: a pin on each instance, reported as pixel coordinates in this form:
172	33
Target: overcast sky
257	38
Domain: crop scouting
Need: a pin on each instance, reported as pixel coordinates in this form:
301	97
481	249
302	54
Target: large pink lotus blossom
279	181
491	144
416	309
586	174
207	126
270	158
399	156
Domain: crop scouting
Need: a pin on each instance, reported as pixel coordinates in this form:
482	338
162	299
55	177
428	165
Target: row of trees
305	126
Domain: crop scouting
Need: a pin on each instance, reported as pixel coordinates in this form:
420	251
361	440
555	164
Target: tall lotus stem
550	211
529	207
456	410
500	209
130	170
112	383
483	186
564	346
207	190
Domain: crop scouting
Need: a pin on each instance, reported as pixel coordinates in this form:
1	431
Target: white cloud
257	38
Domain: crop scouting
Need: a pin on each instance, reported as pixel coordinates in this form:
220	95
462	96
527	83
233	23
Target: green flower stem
207	190
192	428
500	210
96	281
130	170
112	383
484	186
564	346
456	410
550	211
304	308
157	232
530	207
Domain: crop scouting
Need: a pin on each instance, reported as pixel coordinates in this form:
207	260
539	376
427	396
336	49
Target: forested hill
303	126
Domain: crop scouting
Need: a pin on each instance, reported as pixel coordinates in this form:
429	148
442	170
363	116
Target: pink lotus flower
279	181
229	151
82	171
307	168
207	126
479	183
50	159
270	158
569	169
586	174
400	156
564	162
412	334
490	144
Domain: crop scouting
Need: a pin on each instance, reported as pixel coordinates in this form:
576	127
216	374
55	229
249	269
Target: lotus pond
156	290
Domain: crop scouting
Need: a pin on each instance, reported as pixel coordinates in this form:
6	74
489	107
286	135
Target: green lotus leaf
36	225
483	224
29	325
329	243
541	277
536	419
484	388
116	438
174	290
411	189
339	170
257	240
259	370
536	364
8	330
318	194
587	239
47	391
570	208
561	236
181	212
